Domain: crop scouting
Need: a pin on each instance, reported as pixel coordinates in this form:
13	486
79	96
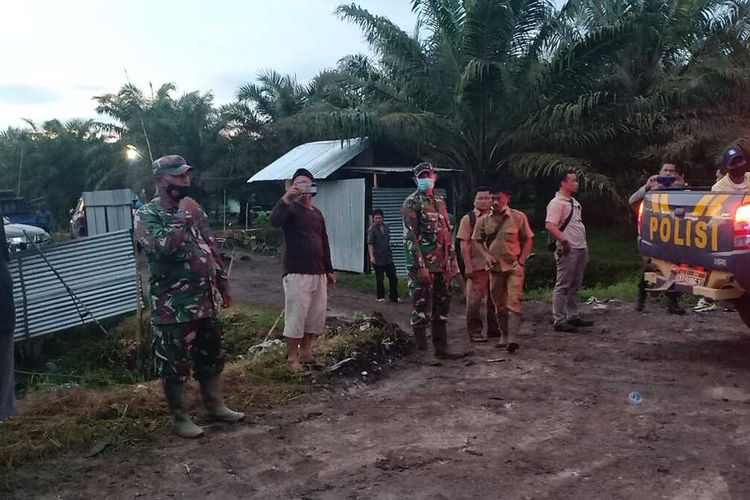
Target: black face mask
181	192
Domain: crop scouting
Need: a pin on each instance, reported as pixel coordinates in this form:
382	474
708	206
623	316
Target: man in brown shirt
308	271
507	241
476	272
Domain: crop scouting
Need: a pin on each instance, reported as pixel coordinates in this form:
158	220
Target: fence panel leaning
98	270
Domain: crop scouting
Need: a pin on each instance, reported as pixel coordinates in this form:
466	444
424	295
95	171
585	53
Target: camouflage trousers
431	300
180	347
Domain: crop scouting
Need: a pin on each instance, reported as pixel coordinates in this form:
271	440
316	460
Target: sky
56	55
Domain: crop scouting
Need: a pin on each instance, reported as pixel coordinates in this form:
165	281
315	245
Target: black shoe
640	306
512	347
580	323
564	326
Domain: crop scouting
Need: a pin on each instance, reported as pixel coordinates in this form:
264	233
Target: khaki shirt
557	212
465	233
504	232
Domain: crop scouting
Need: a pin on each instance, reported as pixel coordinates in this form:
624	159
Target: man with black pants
381	257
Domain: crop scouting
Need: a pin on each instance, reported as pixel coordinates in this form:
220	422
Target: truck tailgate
694	228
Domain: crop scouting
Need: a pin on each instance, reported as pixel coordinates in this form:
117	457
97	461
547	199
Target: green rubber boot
213	400
502	323
514	326
440	341
425	355
181	423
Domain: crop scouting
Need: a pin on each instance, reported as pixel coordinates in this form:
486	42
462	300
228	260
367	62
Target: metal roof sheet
321	158
391	169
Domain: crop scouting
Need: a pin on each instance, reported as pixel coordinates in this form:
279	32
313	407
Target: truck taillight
742	227
640	215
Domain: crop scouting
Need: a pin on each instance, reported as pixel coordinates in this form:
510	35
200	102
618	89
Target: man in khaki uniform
476	272
507	241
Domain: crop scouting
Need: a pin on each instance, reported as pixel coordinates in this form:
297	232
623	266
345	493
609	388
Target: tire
743	307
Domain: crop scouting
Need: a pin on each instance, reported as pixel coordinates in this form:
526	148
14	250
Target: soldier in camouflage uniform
430	259
187	287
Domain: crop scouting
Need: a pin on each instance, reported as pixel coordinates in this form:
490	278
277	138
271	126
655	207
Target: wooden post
138	307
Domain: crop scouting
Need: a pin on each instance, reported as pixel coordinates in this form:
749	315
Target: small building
350	185
108	211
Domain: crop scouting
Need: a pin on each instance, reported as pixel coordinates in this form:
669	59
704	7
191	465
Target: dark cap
171	165
732	153
425	166
302	172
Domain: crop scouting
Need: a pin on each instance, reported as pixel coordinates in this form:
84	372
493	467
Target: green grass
612	272
98	394
365	283
626	290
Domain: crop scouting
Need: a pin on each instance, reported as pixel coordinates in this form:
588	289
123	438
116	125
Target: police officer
507	241
188	285
431	261
670	175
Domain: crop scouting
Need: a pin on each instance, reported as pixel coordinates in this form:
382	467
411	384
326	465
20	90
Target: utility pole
20	173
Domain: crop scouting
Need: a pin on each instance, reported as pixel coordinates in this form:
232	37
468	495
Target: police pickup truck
697	241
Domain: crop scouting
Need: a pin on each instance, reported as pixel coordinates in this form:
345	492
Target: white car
16	235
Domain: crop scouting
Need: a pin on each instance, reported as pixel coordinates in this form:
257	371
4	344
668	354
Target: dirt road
552	421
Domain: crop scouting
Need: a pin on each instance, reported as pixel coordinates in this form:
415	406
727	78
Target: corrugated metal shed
390	169
343	206
321	158
99	269
389	200
108	211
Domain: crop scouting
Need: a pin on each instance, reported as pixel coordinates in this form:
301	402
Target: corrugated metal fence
389	200
99	269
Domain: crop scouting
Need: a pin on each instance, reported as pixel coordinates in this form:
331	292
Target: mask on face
179	192
425	184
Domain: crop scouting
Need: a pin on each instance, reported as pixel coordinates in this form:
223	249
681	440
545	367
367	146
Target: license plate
691	277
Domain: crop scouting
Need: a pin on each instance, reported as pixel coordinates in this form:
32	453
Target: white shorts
305	303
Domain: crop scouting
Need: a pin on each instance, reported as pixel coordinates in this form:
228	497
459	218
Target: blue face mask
425	184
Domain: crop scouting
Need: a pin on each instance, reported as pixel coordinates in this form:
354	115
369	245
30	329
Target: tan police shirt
503	233
557	212
465	232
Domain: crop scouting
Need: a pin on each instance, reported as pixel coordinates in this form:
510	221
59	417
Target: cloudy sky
56	55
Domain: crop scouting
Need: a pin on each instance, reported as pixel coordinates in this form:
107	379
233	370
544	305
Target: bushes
540	271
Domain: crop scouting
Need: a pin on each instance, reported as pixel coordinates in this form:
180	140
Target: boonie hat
425	166
171	165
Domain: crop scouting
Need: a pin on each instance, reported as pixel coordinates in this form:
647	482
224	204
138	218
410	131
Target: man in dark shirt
381	258
7	323
307	267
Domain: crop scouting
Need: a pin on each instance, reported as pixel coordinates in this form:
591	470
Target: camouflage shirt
187	274
428	235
